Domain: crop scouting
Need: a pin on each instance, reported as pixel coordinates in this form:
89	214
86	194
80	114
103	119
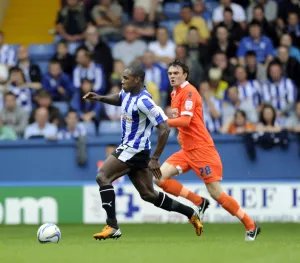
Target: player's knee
148	196
102	179
214	189
158	181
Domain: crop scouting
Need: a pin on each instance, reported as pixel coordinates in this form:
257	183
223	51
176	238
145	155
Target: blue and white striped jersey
7	55
250	91
93	73
139	114
24	97
212	125
281	95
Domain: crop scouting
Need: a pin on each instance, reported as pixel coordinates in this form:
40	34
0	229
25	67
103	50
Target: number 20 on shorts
205	171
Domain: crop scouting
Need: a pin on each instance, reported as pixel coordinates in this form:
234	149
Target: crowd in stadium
243	55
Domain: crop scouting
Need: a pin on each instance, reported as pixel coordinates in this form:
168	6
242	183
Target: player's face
176	76
129	82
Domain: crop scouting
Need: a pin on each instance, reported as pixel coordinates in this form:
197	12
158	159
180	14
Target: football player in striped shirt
139	115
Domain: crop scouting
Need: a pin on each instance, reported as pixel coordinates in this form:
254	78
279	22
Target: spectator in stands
212	108
238	124
99	49
236	32
17	85
293	28
262	45
6	133
238	12
66	60
13	116
268	121
279	91
220	61
7	54
196	50
107	16
44	100
255	71
41	128
215	84
270	8
196	71
222	43
268	29
88	111
248	89
87	69
32	72
199	9
286	7
163	48
188	20
234	103
157	77
112	112
144	27
73	128
152	8
116	76
57	83
131	48
286	41
72	21
290	66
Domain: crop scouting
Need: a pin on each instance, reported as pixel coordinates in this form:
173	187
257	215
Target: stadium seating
109	127
41	51
62	106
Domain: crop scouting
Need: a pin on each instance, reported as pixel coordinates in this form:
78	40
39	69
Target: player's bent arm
113	99
163	135
183	121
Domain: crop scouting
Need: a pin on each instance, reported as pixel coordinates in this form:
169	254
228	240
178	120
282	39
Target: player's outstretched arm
163	135
113	99
183	121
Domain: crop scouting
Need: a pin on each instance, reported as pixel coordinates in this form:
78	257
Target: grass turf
167	243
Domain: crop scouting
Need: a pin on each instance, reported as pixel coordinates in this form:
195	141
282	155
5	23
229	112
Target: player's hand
92	96
154	167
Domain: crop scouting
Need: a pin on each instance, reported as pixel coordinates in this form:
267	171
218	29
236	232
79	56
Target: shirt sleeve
154	113
188	103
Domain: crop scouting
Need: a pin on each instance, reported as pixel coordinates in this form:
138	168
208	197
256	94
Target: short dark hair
186	6
228	9
193	28
254	23
259	7
164	28
179	63
62	42
9	93
250	53
71	111
54	61
137	70
87	53
43	94
243	113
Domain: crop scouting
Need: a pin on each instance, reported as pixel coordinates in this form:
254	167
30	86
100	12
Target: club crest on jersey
188	105
174	112
154	111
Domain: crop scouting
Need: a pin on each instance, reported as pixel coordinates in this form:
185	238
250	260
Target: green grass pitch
167	243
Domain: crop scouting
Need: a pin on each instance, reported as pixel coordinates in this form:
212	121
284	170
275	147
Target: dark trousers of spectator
266	141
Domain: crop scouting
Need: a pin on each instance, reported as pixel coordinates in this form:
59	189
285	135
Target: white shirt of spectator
212	125
65	134
34	130
238	13
128	52
7	55
251	91
281	95
163	51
